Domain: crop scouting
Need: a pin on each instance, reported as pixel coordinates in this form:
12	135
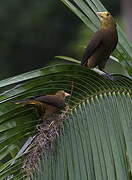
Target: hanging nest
46	134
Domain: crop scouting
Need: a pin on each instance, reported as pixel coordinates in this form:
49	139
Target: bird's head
62	94
107	21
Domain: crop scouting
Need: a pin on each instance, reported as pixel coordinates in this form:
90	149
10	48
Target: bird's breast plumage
110	39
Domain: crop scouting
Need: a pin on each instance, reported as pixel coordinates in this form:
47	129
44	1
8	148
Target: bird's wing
51	100
92	46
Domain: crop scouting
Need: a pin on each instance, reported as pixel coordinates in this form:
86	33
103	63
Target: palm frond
95	135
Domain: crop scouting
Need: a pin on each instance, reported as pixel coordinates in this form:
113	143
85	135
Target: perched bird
46	105
102	43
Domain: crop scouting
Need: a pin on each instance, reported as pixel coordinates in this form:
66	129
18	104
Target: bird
46	105
102	44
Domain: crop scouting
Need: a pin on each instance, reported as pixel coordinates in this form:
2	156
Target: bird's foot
109	76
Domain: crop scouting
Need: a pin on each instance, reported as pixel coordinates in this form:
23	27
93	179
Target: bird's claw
108	76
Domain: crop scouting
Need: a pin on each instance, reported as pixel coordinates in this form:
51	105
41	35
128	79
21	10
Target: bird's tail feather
25	102
20	102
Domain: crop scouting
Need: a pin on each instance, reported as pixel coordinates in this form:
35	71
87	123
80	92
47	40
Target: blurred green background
33	32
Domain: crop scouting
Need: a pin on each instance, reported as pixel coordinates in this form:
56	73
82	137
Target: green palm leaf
112	65
96	138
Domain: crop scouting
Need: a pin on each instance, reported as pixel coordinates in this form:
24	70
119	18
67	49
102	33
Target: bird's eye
107	14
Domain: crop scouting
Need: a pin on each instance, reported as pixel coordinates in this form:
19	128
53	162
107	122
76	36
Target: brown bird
46	105
102	43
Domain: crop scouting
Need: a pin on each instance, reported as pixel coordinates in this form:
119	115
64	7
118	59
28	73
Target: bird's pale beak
100	14
67	94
